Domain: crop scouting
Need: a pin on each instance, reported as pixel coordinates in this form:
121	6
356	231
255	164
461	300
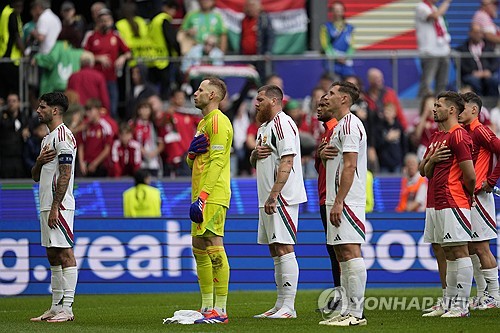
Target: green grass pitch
145	313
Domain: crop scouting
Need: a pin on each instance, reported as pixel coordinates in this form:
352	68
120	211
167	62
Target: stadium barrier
117	255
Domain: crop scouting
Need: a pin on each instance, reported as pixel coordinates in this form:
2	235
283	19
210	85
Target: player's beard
263	115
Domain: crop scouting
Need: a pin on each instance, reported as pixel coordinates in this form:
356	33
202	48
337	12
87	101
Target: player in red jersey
454	180
485	147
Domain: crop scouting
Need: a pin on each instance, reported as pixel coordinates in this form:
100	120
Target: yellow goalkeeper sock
220	269
205	279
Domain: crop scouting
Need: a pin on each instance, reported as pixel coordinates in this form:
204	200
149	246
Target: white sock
279	284
289	279
478	275
491	278
451	282
344	282
56	284
357	286
70	276
464	281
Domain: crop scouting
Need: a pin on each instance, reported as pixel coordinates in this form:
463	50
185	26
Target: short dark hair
140	176
453	98
348	88
170	4
125	128
273	91
56	99
219	84
472	97
93	103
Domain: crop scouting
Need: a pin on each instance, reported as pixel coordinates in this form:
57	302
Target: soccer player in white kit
281	189
55	170
346	201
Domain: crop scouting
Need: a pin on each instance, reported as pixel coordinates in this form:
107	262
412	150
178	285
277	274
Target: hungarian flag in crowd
288	18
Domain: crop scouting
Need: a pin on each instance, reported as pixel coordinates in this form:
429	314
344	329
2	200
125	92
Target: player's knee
282	249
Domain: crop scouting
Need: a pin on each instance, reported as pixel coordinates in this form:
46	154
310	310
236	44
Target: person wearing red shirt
126	156
323	153
94	143
89	82
110	53
485	149
451	169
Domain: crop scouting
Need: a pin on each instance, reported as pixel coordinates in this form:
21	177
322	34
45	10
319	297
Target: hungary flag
288	18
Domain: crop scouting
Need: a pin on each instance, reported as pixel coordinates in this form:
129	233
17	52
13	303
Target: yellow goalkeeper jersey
211	171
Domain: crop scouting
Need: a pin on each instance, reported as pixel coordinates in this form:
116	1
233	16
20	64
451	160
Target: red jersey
94	138
484	144
109	44
125	160
318	163
89	83
178	131
435	138
249	35
447	179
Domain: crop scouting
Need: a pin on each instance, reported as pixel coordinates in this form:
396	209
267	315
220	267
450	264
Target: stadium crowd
155	127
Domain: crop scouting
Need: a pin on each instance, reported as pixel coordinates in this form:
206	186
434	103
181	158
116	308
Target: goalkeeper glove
196	209
198	146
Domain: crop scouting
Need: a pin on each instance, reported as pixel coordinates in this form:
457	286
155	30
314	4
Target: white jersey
348	136
62	140
282	135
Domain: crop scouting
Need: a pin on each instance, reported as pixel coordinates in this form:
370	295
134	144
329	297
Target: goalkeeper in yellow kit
208	157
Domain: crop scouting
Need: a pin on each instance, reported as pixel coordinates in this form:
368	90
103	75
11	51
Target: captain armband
65	159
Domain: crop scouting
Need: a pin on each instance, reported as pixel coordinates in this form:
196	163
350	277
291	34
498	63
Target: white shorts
483	217
351	229
447	226
280	227
62	236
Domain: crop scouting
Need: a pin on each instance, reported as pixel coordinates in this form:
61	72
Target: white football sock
464	281
56	284
279	285
478	275
357	286
451	283
70	276
491	278
344	283
289	279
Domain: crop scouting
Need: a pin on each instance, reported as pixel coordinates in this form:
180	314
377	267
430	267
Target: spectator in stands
110	53
94	25
48	25
94	142
257	36
142	200
33	144
208	50
336	38
424	126
13	132
126	155
11	47
178	129
58	65
199	24
390	142
88	82
413	195
484	17
141	90
73	26
433	45
477	70
275	79
164	38
145	133
379	95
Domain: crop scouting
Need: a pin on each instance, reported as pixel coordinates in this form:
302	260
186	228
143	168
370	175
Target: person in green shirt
142	200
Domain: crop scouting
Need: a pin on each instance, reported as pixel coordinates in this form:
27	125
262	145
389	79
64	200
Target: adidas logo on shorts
447	236
337	238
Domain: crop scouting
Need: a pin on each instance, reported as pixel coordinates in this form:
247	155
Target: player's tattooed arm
61	188
284	169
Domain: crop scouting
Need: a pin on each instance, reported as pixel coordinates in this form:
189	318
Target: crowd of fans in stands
153	130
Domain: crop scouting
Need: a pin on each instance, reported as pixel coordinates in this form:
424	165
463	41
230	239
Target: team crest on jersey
264	139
